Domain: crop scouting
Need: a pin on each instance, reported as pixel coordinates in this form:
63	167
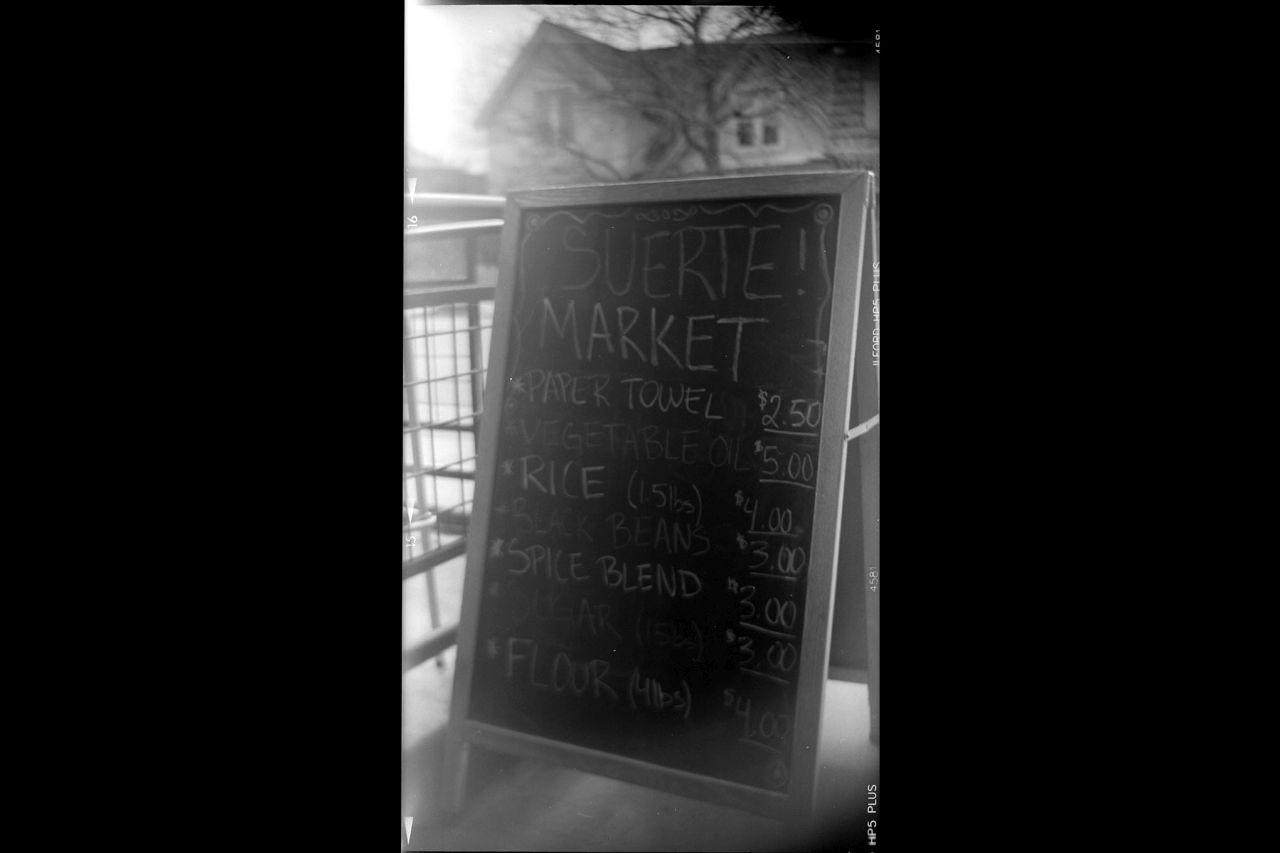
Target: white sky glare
454	55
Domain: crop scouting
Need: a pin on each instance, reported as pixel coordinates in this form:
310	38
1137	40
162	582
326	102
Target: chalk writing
653	503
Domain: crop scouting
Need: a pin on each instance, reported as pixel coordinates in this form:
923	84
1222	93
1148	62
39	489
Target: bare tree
686	71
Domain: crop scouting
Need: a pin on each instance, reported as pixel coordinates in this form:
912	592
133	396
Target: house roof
554	34
546	34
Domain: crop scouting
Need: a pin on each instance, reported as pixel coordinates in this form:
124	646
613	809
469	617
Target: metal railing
450	274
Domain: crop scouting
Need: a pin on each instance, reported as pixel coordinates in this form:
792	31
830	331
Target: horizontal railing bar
418	279
442	424
449	332
455	514
446	378
419	472
465	429
465	474
422	522
443	471
431	559
461	294
439	641
429	200
463	290
439	517
455	426
454	229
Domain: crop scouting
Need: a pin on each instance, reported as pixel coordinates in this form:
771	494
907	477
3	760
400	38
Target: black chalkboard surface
657	505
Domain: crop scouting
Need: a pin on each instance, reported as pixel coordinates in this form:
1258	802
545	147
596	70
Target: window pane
770	133
543	105
565	118
746	133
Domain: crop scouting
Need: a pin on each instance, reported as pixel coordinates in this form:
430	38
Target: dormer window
555	116
758	132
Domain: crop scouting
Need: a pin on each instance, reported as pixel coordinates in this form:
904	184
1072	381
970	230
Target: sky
455	54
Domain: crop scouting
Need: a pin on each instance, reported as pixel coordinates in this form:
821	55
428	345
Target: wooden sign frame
856	190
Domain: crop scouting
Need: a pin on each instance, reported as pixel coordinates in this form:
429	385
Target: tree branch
690	92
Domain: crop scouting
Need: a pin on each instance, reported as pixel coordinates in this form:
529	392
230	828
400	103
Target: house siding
842	132
519	158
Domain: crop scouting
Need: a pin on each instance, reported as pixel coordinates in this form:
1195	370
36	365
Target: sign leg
457	761
871	543
868	406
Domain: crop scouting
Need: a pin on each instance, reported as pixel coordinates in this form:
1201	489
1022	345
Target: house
575	110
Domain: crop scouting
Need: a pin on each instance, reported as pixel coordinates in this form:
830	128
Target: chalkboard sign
650	563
